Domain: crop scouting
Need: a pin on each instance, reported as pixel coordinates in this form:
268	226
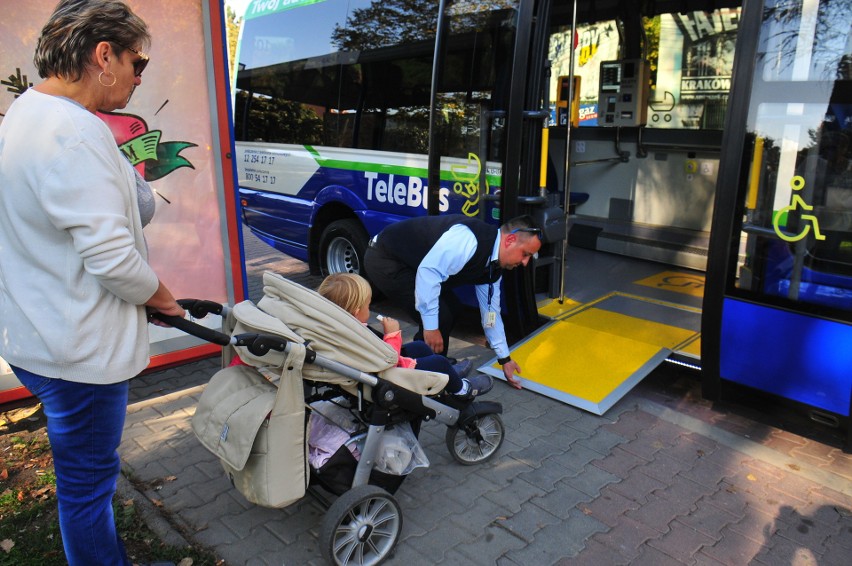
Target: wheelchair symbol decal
684	281
797	183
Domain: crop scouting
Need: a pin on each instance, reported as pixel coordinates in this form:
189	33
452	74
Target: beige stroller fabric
258	430
335	334
253	416
237	398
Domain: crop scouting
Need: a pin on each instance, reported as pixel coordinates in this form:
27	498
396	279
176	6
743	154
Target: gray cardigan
73	261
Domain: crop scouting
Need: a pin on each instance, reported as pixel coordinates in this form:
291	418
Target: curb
149	513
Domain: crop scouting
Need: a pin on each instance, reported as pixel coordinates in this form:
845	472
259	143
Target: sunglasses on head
535	231
139	64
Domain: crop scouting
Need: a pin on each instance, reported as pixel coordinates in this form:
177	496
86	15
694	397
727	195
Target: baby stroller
300	356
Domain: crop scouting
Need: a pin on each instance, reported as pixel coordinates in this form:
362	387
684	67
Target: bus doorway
340	132
644	95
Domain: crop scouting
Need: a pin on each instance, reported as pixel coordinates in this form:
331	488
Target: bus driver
418	261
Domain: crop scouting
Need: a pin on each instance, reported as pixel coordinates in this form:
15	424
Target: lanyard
490	283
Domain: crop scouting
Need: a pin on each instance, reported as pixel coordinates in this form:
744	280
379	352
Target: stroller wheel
361	527
477	441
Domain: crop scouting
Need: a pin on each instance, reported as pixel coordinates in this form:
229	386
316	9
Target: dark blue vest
410	240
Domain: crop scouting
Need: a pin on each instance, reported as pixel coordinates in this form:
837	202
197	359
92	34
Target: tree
652	45
387	22
275	120
232	25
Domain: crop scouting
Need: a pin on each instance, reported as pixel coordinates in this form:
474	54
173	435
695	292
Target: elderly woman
74	280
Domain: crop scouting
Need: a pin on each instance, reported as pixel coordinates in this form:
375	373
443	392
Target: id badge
490	319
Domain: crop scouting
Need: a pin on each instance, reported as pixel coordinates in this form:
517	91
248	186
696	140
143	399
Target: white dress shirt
446	258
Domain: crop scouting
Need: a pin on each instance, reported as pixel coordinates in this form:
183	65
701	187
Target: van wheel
342	247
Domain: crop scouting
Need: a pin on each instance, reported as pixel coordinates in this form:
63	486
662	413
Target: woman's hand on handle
162	301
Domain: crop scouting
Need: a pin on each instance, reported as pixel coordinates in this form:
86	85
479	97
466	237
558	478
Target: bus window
690	56
473	76
796	243
384	99
286	80
594	43
333	118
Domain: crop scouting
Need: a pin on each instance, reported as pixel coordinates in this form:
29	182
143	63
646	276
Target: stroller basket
337	436
285	358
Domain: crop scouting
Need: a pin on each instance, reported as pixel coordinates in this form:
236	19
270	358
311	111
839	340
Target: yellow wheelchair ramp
594	354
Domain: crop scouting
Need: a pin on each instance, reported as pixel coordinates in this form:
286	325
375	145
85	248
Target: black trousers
395	280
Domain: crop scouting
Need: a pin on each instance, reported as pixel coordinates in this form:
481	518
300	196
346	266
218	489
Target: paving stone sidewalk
664	477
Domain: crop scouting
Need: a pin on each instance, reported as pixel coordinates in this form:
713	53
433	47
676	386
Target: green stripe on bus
493	180
310	149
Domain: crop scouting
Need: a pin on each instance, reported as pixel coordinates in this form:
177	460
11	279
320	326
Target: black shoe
463	368
479	384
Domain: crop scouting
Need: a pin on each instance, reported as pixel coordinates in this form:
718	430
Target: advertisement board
176	132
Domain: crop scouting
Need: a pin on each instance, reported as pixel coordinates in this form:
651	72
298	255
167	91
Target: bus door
780	276
479	120
637	101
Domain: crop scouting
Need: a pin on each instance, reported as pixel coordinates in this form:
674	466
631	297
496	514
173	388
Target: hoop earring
101	79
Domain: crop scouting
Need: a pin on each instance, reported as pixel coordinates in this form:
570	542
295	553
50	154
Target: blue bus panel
794	356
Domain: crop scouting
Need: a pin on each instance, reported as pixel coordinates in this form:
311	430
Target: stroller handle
193	328
198	308
257	344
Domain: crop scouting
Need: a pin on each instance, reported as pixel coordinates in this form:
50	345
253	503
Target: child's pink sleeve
395	340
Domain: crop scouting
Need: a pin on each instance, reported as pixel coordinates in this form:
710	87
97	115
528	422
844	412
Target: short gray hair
77	26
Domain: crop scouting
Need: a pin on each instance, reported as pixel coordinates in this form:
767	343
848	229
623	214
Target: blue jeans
84	426
430	361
